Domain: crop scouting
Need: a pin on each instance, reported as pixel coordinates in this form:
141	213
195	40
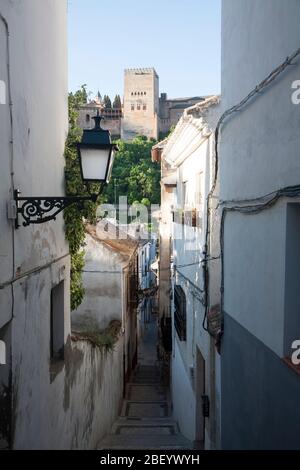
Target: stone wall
113	125
140	103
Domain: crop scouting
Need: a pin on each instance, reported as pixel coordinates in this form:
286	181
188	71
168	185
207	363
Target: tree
117	102
73	216
106	102
137	176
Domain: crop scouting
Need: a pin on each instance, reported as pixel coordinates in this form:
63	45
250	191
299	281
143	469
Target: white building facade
49	384
259	159
195	363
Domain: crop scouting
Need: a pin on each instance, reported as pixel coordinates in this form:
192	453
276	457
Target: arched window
138	107
87	118
144	107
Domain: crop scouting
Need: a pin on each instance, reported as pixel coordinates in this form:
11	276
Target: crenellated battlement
141	71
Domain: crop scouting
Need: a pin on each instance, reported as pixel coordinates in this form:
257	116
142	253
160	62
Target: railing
192	218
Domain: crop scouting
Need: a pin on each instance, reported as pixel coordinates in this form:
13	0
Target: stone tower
141	103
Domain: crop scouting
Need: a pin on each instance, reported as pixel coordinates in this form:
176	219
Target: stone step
145	392
143	428
146	380
145	409
168	421
153	442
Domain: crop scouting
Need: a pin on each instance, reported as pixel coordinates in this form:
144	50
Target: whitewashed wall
42	407
259	154
102	281
190	150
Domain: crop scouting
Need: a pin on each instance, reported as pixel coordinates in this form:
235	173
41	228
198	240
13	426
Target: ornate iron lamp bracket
37	210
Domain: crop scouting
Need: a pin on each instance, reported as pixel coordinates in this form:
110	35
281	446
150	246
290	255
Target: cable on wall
275	195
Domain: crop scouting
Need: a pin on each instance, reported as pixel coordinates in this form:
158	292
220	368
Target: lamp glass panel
94	163
112	157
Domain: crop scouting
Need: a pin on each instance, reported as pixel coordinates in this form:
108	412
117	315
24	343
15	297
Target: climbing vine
74	216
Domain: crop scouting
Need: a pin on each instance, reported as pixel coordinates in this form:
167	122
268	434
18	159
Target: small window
144	93
138	107
199	187
87	118
2	92
132	93
57	322
138	93
132	107
135	92
144	107
184	194
180	312
2	353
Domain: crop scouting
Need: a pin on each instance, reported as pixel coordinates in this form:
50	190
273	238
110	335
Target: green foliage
106	102
104	340
163	135
135	174
73	215
117	102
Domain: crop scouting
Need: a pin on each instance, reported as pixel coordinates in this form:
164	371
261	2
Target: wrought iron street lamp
96	157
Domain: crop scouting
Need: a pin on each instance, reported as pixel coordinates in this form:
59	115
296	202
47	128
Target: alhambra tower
141	103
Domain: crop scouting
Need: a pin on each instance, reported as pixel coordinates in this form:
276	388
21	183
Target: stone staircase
145	421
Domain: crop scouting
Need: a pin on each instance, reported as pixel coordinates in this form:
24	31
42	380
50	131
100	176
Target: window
184	194
2	92
144	93
57	322
199	188
144	107
138	107
2	353
132	107
180	312
87	118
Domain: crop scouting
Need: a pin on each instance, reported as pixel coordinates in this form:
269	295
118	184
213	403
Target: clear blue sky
179	38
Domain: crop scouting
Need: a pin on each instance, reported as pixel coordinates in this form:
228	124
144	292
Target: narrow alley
146	420
150	221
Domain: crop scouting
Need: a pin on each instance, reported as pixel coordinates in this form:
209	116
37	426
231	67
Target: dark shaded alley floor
145	421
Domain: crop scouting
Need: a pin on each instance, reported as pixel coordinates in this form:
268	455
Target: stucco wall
102	281
183	410
190	151
259	153
260	395
43	403
73	409
32	137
